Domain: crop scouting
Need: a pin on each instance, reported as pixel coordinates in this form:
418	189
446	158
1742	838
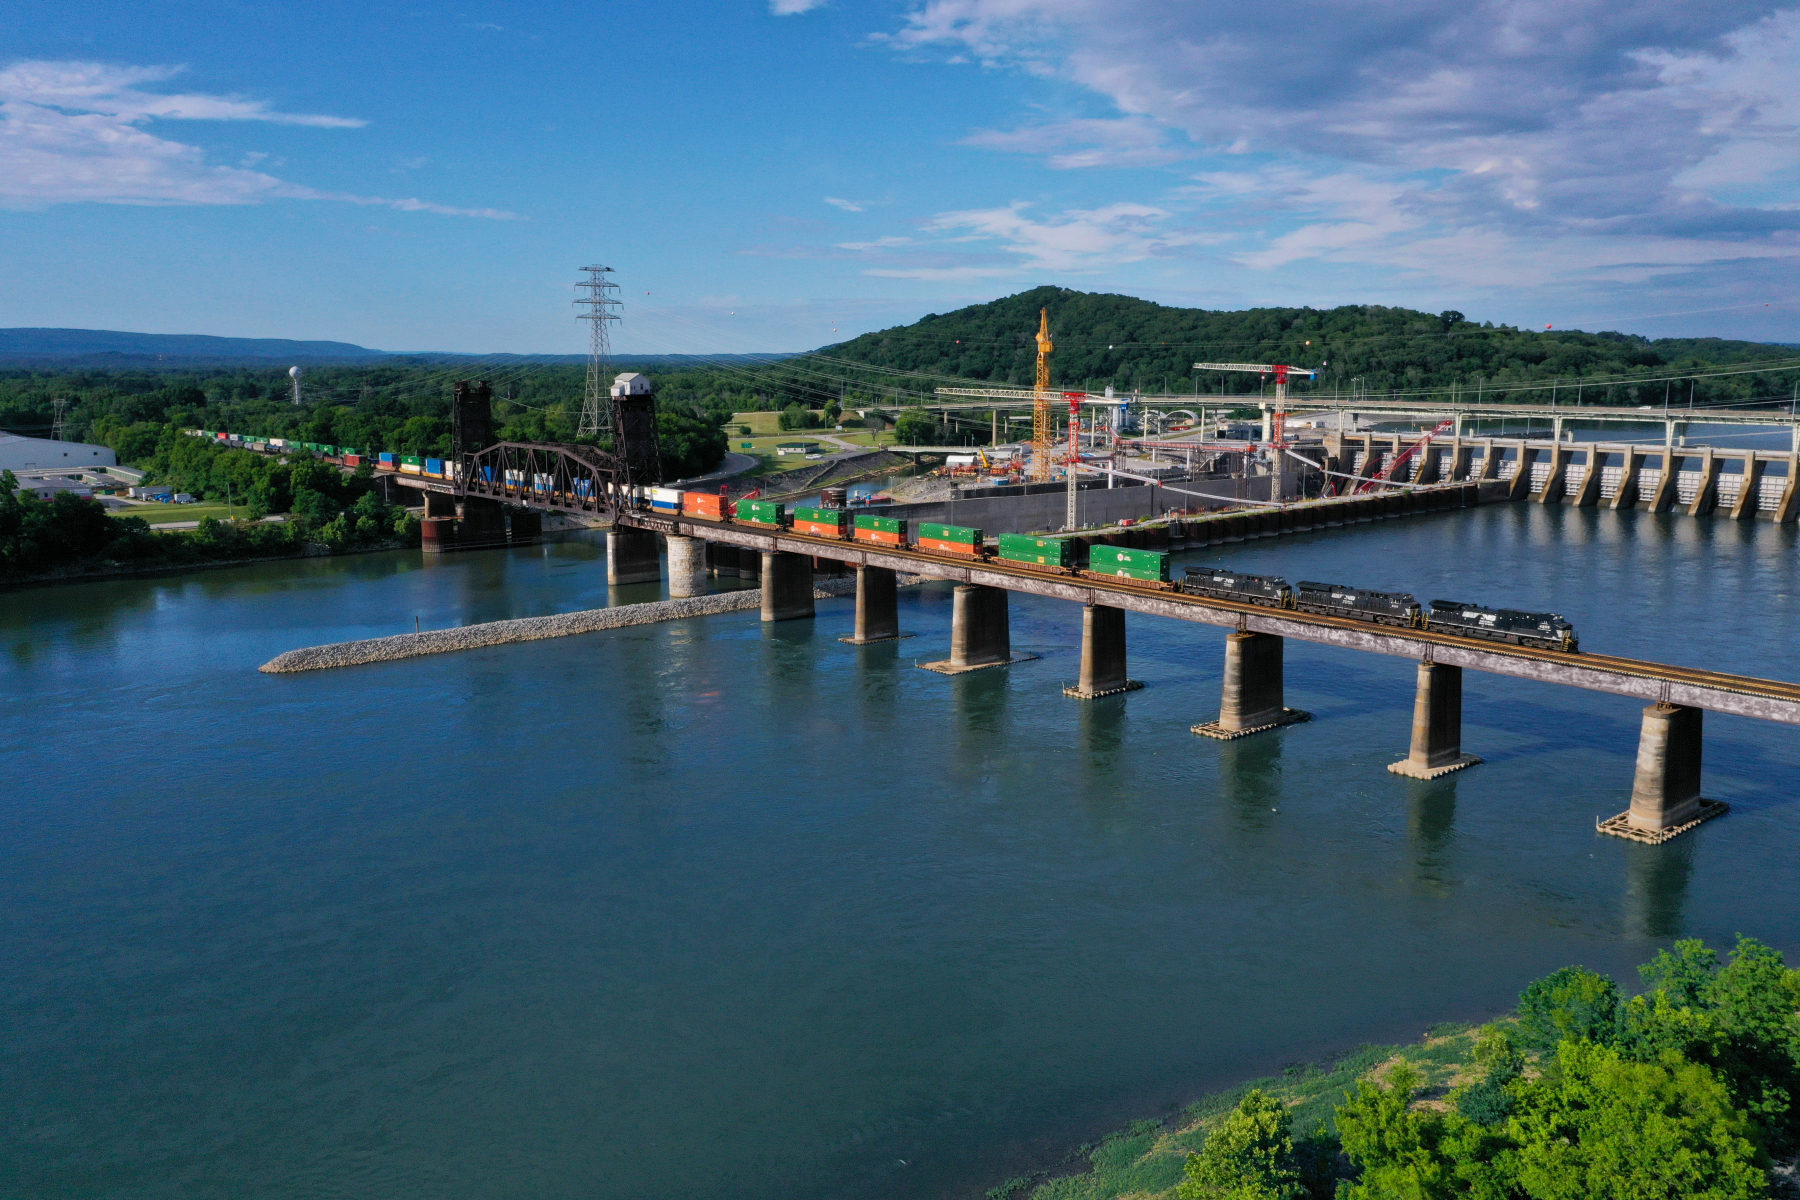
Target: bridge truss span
549	476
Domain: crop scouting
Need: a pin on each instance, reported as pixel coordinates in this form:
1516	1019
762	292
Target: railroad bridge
1666	795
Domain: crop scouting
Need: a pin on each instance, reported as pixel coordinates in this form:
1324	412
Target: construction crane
1040	404
1281	371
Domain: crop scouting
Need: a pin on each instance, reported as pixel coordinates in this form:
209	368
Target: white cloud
1072	241
73	132
789	8
846	205
1497	140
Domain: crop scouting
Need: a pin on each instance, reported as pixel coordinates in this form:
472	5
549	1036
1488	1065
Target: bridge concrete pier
1251	699
687	567
721	560
1437	726
632	557
787	590
1665	794
749	563
877	607
483	523
1102	654
526	525
439	504
980	632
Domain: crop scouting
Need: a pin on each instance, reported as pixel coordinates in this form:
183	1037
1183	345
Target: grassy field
158	514
1145	1160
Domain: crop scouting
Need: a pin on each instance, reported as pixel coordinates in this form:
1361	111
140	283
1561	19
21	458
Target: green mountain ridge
1131	344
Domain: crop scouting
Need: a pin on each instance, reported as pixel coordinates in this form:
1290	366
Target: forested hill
1128	343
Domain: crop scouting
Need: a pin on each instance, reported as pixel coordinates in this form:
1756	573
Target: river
717	908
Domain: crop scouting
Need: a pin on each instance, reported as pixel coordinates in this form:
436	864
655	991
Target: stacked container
821	522
434	468
411	464
882	531
1151	566
665	502
956	539
386	461
761	512
1039	551
707	506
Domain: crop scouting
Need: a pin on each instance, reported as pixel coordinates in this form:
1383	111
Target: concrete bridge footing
877	607
687	567
787	591
749	563
1102	654
632	557
980	632
1437	726
1665	794
1251	699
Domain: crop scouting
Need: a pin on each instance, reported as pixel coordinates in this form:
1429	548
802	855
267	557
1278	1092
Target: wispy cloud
1500	139
73	132
846	205
790	8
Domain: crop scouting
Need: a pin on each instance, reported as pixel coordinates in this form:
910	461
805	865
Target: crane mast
1040	406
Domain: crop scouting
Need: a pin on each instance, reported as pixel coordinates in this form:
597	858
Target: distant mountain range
102	348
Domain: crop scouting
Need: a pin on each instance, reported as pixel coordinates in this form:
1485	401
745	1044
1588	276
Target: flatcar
1341	600
1547	630
1270	591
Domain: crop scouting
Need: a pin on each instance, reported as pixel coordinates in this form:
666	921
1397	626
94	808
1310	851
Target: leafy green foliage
691	445
1612	1129
1571	1003
1250	1156
917	429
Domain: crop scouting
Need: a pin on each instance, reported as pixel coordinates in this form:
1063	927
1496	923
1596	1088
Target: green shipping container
1050	552
769	512
962	535
412	460
1133	564
881	524
824	516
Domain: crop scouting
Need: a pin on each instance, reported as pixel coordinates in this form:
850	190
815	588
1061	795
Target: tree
1250	1156
1398	1148
691	445
796	417
1571	1003
1611	1129
916	429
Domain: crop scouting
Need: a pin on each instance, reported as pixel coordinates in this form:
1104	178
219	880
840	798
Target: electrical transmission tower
599	304
56	422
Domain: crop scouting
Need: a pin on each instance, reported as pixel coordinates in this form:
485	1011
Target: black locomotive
1341	600
1271	591
1548	630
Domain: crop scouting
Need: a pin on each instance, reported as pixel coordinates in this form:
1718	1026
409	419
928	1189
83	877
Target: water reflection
1656	888
1431	826
1250	780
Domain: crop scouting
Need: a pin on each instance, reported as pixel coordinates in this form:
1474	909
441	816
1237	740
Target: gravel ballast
531	629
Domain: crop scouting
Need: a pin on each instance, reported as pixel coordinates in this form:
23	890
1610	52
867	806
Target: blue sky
779	174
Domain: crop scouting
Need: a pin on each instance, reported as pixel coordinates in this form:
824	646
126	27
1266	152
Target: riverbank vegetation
74	535
1689	1090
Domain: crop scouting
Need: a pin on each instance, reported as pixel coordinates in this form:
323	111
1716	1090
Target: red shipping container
353	460
708	506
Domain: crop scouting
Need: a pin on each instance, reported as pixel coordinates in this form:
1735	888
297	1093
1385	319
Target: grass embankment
1145	1160
167	514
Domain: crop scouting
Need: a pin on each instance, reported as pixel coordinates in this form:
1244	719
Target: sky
772	175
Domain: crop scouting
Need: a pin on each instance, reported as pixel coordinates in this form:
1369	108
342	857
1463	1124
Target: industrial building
42	454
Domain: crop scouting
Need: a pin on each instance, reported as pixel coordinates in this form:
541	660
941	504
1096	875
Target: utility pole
599	304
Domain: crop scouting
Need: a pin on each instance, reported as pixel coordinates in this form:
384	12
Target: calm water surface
717	908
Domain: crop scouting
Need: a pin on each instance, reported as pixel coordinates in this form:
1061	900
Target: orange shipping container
706	505
818	529
951	547
880	537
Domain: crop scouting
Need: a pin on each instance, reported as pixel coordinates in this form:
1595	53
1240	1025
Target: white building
631	383
42	454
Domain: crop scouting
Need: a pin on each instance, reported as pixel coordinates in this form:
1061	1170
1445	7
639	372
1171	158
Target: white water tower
294	373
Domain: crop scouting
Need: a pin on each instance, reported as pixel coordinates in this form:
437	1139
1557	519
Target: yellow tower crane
1041	433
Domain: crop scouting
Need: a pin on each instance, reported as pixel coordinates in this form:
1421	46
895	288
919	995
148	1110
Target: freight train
1545	630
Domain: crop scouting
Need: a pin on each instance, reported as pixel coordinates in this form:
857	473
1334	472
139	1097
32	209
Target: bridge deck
1739	695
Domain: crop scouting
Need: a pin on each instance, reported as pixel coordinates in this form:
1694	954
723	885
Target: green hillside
1128	343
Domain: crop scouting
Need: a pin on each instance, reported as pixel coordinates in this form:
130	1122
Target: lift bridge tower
599	305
